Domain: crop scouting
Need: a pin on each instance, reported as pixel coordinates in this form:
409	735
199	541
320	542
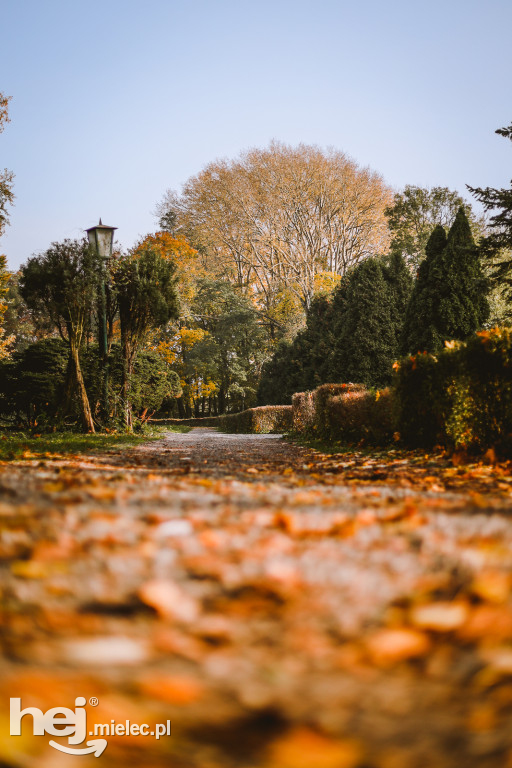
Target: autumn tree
60	285
416	211
145	285
6	339
273	219
230	350
6	199
6	177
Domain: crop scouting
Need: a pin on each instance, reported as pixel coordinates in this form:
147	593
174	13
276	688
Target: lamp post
101	238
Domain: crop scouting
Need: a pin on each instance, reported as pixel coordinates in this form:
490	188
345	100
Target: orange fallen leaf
441	616
305	748
389	646
493	586
174	689
488	621
169	600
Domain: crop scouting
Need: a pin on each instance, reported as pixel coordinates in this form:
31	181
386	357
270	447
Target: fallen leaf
389	646
305	748
169	600
441	616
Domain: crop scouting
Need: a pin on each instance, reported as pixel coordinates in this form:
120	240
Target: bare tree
276	218
6	177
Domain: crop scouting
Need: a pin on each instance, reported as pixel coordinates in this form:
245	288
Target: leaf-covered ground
282	607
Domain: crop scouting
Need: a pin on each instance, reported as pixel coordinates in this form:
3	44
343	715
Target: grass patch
15	446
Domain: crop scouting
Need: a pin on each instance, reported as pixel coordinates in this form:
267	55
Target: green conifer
449	298
419	330
369	326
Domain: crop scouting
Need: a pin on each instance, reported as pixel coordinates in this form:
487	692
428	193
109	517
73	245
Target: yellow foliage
189	267
326	282
171	350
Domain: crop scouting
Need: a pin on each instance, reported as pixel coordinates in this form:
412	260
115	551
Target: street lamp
101	239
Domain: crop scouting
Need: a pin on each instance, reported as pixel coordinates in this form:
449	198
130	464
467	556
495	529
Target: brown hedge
362	416
322	425
303	407
262	420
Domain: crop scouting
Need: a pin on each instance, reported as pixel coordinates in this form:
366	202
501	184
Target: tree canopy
351	334
416	211
6	176
145	287
273	219
497	246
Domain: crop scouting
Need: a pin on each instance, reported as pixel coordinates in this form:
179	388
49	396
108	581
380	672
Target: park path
282	607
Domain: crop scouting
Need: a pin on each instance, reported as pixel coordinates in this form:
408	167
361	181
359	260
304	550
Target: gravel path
284	609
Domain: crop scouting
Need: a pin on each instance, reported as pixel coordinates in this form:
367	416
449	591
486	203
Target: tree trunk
181	409
127	372
69	389
88	423
222	400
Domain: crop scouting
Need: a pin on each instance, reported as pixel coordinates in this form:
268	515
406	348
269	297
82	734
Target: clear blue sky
115	101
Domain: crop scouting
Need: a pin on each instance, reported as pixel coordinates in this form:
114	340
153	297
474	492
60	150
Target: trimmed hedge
303	408
262	420
460	398
321	397
345	412
422	386
359	415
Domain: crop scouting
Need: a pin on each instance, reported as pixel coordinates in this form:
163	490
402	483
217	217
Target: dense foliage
145	289
460	397
351	335
497	246
416	211
61	285
449	297
33	384
276	273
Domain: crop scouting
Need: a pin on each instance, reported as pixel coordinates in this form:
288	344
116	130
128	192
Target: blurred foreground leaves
282	607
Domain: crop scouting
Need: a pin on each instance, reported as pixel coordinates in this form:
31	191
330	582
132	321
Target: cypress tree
400	285
368	328
419	331
449	298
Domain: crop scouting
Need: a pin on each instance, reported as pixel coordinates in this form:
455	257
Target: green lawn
20	445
